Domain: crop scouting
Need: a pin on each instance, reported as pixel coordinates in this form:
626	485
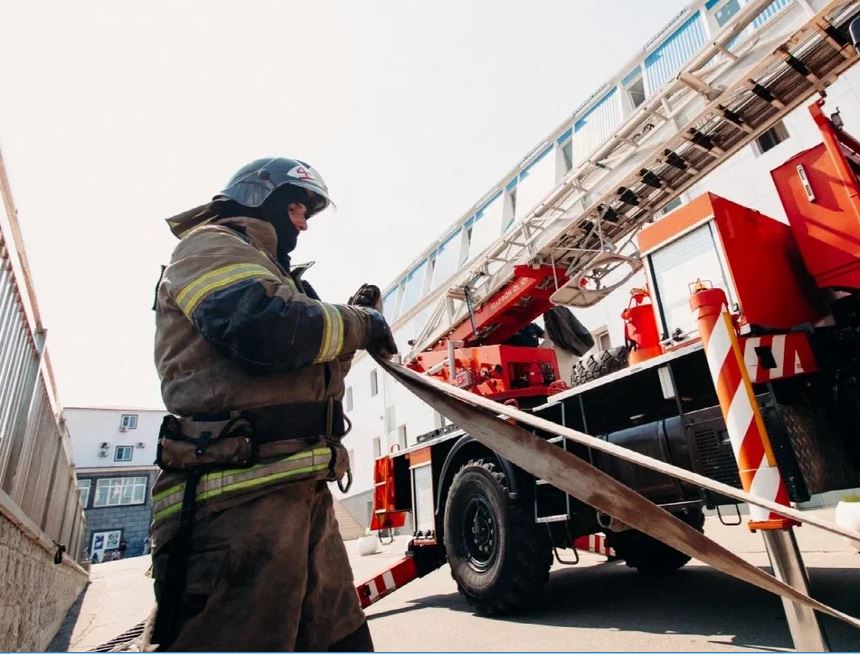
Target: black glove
367	295
380	341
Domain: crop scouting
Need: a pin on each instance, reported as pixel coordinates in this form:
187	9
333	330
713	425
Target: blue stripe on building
670	56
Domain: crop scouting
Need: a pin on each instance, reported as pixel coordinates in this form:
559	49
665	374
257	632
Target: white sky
115	115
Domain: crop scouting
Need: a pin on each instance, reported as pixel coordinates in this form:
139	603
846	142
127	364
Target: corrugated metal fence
38	487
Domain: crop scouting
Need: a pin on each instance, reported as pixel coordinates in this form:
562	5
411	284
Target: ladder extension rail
718	103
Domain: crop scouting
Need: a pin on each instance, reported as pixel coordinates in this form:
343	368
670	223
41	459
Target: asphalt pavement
594	606
606	606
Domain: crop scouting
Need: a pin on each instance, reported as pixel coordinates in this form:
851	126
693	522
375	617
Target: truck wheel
499	558
598	364
649	555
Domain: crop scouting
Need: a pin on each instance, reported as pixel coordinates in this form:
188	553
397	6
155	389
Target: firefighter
246	550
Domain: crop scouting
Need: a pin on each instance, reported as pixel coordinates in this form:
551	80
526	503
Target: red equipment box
821	195
500	372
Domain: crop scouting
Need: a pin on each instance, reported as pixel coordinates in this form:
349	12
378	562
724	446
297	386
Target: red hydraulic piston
759	472
512	307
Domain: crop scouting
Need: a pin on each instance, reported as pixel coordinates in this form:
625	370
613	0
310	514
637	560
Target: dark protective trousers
268	574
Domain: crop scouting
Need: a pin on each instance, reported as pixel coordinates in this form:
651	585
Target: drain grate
122	642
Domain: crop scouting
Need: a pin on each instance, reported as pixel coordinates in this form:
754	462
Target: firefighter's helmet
255	182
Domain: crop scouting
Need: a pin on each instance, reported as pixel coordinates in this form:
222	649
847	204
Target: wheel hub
479	534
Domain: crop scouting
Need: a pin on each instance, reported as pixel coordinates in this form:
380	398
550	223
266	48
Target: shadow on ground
695	600
63	638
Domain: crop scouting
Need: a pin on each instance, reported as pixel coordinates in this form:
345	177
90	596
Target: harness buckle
344	488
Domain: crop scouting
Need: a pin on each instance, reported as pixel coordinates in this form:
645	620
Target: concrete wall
34	592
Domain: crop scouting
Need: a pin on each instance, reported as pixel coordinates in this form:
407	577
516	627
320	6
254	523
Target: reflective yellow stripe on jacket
332	337
221	482
190	296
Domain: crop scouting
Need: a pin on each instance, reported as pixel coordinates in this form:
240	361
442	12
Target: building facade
115	460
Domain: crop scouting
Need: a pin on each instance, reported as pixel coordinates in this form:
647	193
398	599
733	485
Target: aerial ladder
576	246
580	234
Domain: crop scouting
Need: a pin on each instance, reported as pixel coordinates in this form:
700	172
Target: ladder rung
552	518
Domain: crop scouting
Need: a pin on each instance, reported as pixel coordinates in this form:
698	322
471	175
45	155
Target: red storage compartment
819	190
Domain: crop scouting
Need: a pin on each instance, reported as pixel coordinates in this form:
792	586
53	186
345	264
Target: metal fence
38	486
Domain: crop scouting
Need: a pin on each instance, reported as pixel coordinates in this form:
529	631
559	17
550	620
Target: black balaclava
273	210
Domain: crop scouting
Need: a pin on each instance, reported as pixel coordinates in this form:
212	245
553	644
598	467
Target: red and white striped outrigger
397	576
595	543
412	567
421	559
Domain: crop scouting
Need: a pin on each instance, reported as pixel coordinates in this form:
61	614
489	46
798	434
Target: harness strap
165	628
288	421
218	483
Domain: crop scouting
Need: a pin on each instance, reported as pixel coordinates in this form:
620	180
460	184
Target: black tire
596	365
499	557
648	555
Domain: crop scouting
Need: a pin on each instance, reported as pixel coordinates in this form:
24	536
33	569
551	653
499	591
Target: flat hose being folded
481	418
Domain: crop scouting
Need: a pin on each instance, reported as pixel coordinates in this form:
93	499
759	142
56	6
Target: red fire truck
793	290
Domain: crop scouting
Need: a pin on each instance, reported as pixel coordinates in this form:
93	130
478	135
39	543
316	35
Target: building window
120	491
674	204
374	383
567	155
84	491
401	436
601	340
348	399
377	447
509	211
123	453
724	13
771	138
390	418
634	87
636	91
128	421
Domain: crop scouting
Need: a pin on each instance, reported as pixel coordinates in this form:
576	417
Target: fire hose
501	428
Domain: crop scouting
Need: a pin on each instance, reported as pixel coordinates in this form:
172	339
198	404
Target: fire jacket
235	330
